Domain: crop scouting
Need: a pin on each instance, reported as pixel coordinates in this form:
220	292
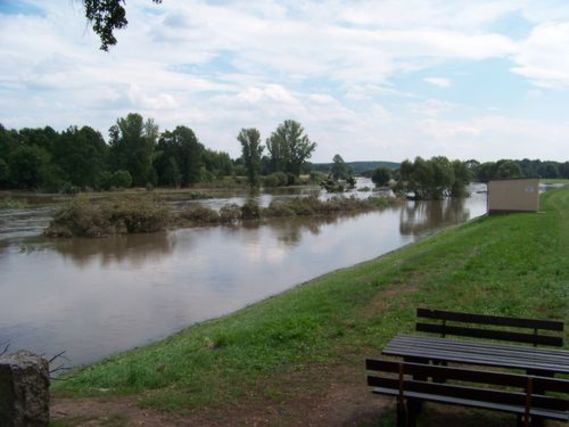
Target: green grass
513	265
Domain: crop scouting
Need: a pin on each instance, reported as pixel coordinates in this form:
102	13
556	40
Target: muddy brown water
95	297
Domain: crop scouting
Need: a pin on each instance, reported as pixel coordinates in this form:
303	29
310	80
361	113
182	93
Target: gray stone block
24	390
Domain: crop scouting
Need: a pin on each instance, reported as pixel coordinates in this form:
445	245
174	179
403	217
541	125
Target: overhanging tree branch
106	16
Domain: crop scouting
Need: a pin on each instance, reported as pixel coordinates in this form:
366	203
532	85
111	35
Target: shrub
84	217
121	179
230	214
277	209
277	179
69	188
250	210
200	215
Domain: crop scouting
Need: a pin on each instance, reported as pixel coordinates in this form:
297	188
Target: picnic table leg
401	415
415	406
539	422
406	416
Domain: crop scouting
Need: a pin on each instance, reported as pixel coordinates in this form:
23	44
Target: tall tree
132	143
82	155
340	170
180	157
381	176
290	147
251	152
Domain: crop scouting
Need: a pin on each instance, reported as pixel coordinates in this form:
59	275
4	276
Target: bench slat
490	334
486	319
460	374
471	393
553	415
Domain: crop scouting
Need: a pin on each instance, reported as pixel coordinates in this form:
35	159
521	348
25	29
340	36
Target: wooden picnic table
535	361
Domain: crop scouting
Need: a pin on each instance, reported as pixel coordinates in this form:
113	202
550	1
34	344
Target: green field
514	265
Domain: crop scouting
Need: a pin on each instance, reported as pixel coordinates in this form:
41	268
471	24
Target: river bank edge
492	265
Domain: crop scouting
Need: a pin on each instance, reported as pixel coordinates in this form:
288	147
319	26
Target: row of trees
288	146
506	168
435	178
137	154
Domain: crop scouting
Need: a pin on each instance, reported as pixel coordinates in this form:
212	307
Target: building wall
513	195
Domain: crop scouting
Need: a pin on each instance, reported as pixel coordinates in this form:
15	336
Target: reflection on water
134	249
95	297
418	218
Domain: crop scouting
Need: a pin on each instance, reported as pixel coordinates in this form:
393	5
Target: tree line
138	154
526	168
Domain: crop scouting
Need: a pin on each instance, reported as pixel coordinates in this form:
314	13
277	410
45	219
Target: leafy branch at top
107	16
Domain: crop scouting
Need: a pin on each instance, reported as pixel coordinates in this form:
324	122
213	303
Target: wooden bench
493	390
522	393
497	331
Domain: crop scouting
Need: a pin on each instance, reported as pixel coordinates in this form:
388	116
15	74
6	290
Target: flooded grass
513	265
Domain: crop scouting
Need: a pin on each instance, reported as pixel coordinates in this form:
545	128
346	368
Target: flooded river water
94	297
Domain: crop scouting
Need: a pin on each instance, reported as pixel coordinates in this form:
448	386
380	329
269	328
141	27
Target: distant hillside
357	167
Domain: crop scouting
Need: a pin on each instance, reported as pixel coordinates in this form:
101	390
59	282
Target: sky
368	79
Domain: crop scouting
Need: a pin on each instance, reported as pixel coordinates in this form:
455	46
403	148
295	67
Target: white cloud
543	56
438	81
334	65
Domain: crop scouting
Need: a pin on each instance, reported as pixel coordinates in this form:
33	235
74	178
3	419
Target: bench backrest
515	389
464	329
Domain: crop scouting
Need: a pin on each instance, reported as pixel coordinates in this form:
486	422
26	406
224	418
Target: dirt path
345	401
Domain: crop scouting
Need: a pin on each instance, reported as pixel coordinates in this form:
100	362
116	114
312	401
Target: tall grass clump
83	217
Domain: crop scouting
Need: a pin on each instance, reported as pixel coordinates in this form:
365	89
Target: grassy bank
512	264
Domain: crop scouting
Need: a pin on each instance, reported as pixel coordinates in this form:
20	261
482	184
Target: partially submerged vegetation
511	265
9	203
82	217
100	218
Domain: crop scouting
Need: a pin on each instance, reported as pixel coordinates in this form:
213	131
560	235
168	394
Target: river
95	297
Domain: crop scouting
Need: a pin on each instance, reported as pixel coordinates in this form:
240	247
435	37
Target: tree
289	147
487	171
181	153
132	142
107	16
81	154
251	152
462	177
4	172
434	178
381	176
340	170
443	177
29	166
121	179
507	169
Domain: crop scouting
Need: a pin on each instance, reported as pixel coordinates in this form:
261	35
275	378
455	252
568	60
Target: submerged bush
250	210
230	214
200	215
87	218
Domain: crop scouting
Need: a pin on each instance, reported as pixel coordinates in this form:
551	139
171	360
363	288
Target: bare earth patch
345	400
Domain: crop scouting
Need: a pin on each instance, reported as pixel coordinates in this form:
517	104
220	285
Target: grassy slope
514	265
